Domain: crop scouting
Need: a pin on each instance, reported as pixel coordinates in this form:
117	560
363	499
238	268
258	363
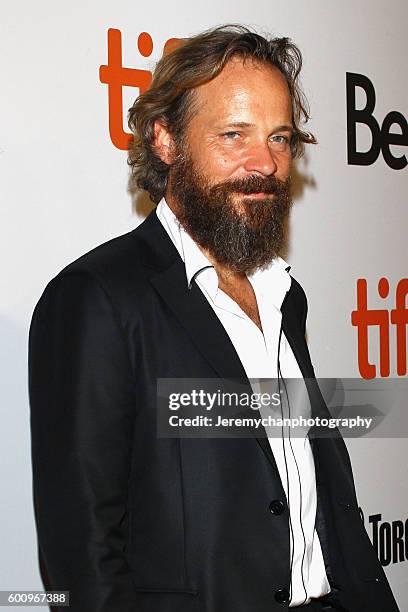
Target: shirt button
277	506
282	595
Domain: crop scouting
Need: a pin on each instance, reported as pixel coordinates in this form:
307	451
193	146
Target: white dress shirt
258	353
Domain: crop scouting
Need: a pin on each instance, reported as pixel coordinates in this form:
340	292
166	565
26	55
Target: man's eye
280	139
231	135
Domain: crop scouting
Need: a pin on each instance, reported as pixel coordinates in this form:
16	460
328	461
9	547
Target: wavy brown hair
170	98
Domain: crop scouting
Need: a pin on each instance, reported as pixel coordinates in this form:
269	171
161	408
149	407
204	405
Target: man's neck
226	276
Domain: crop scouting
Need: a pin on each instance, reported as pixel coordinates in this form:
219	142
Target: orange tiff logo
116	76
364	317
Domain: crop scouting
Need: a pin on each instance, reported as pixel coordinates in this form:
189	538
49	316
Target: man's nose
261	159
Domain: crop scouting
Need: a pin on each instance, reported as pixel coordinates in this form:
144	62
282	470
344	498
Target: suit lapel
294	335
198	318
206	331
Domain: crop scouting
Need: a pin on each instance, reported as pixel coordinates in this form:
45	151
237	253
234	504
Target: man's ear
163	142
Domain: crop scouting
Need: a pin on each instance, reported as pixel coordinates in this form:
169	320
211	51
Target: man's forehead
241	73
241	68
241	80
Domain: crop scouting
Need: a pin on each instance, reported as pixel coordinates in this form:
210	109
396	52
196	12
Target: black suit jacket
129	522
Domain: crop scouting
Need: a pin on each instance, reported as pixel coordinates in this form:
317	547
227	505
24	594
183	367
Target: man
129	521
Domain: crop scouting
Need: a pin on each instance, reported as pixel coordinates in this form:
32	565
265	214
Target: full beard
242	234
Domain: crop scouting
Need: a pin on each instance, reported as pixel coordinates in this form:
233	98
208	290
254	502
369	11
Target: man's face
229	182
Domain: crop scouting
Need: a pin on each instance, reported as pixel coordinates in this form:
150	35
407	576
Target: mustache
255	184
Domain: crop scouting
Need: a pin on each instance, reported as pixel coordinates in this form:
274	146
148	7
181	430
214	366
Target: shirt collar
196	263
273	279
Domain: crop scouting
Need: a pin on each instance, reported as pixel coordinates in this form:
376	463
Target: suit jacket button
282	595
277	506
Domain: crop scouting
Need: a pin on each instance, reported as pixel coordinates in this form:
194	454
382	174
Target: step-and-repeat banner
70	72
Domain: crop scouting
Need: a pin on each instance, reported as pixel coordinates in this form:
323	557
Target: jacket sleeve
82	405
